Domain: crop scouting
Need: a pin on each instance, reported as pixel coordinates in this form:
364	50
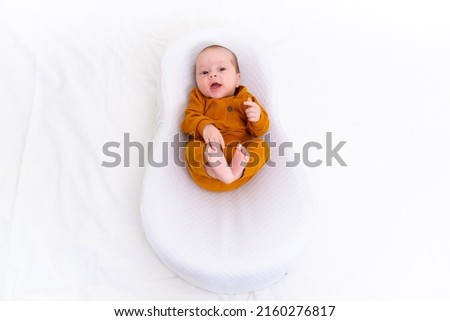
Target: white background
76	74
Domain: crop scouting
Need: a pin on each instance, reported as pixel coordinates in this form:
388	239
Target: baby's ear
238	80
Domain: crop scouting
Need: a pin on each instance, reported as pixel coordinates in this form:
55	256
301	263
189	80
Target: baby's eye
222	68
203	73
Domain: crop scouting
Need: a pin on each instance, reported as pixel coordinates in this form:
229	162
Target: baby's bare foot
218	167
239	161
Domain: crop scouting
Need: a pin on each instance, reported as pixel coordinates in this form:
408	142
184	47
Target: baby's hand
253	111
212	136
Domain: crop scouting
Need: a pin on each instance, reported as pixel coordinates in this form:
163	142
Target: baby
224	121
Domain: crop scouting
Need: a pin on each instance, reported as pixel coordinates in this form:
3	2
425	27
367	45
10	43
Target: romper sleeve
194	119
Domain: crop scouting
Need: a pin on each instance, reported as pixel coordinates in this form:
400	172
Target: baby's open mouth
215	85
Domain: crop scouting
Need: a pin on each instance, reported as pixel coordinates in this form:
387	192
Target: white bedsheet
75	75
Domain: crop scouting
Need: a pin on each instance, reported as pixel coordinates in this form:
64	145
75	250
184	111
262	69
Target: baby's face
215	73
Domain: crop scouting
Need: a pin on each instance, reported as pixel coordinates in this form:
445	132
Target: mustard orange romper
228	115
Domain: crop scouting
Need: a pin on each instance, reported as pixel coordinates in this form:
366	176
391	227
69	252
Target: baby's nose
212	75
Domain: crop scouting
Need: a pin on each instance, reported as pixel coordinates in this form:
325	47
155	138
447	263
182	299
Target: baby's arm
194	120
253	111
258	119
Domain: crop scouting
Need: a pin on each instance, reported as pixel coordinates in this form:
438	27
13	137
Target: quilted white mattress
229	242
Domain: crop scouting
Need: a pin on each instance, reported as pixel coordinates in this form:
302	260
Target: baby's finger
250	111
221	141
213	145
211	140
214	142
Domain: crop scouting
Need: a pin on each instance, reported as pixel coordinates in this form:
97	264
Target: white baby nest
228	242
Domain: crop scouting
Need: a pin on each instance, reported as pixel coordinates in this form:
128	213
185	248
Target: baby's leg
218	167
239	161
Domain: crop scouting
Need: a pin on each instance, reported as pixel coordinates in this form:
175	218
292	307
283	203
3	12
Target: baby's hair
234	60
